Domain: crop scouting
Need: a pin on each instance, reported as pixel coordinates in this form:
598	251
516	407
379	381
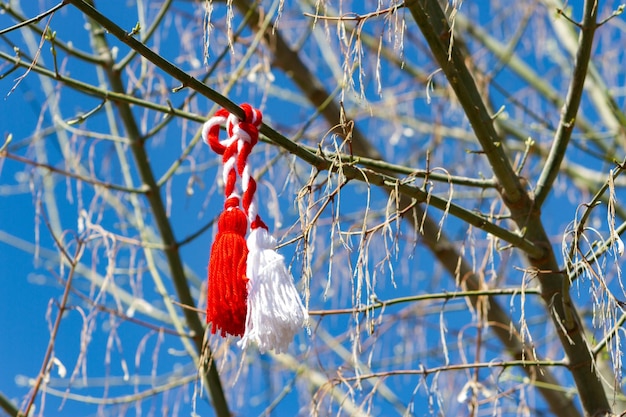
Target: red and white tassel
274	312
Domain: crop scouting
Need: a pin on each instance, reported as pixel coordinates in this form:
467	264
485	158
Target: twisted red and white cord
274	312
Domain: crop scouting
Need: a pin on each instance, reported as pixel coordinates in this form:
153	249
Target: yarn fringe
275	311
227	283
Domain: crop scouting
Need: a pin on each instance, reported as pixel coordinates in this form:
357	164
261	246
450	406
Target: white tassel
275	311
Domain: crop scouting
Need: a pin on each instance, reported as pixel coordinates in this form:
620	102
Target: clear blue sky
30	289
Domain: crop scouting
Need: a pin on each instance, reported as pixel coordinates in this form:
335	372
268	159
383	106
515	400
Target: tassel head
275	311
227	284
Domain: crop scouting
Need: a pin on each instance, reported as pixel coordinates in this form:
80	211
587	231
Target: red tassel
227	286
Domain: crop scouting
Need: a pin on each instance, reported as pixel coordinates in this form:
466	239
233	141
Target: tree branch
160	214
434	26
8	406
554	284
572	103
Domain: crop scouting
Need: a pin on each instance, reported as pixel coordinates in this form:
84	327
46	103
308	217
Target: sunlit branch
89	180
457	211
378	304
46	363
530	76
103	93
237	73
433	25
617	327
380	386
52	257
320	381
615	173
357	17
455	367
410	172
185	79
214	66
32	20
174	382
146	35
594	255
29	22
127	317
572	103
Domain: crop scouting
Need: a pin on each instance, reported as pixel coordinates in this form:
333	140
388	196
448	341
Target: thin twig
103	93
32	20
355	16
378	304
89	180
45	365
457	367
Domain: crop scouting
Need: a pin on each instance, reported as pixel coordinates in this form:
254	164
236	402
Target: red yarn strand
227	284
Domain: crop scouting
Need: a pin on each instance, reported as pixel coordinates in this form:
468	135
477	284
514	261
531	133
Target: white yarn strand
275	311
243	136
208	125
